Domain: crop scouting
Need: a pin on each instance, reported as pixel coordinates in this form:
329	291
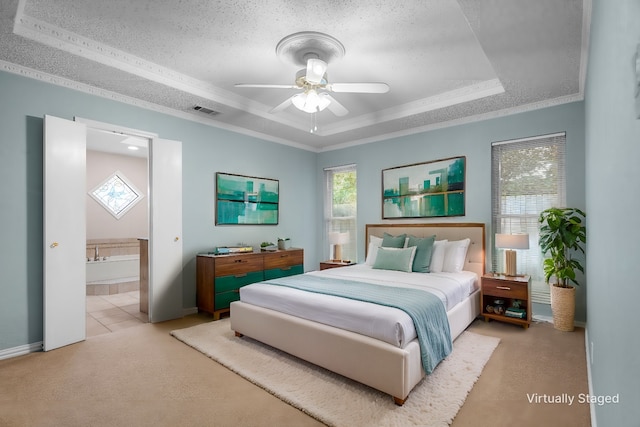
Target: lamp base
337	252
510	264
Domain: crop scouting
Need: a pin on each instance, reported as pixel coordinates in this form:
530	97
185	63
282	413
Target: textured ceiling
445	61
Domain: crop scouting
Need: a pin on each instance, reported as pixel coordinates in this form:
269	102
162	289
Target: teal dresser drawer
224	299
230	283
274	273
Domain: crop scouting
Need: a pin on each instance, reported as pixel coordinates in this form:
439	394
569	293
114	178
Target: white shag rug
339	401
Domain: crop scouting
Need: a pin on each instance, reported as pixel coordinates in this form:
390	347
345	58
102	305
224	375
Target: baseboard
549	319
188	311
592	405
20	350
545	319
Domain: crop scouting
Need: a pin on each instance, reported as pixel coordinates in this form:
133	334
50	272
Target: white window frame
513	214
347	223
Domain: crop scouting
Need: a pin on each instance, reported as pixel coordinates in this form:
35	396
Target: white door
64	232
165	236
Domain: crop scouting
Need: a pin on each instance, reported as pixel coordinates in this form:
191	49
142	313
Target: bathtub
115	269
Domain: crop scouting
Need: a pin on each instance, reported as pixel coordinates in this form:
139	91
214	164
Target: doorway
117	230
65	234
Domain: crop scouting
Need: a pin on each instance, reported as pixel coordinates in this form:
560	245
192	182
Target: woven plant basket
563	306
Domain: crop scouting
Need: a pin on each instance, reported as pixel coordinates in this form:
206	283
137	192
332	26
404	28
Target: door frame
150	136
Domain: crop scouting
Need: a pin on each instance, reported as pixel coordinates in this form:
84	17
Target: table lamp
510	242
337	240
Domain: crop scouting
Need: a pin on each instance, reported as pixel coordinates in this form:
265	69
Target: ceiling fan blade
359	87
315	70
266	86
281	106
335	107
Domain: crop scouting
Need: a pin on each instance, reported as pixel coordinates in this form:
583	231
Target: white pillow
455	253
372	250
437	256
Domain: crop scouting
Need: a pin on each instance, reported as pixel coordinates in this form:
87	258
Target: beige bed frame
390	369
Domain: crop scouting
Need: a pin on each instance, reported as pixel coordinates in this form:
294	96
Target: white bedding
387	324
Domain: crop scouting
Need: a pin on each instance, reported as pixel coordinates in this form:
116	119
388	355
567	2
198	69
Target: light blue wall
206	150
472	140
613	203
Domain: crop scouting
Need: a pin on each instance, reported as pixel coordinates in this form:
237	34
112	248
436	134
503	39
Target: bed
389	360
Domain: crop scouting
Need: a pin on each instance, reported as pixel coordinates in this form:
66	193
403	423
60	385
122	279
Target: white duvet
387	324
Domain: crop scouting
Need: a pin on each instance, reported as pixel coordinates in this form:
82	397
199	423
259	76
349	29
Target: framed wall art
246	200
424	190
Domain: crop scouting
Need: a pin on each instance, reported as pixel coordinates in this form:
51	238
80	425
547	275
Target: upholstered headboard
475	260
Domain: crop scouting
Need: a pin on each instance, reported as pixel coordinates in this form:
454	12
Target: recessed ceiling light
133	147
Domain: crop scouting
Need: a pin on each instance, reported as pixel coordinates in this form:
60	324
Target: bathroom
117	228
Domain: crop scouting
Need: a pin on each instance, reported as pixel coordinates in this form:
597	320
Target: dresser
220	277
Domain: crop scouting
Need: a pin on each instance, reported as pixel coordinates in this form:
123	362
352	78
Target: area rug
339	401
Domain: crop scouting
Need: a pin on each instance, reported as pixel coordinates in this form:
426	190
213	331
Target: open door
165	236
64	232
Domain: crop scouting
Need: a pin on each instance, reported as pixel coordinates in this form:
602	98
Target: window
340	207
528	176
116	194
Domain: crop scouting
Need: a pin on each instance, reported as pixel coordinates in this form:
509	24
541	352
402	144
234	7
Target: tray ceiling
446	61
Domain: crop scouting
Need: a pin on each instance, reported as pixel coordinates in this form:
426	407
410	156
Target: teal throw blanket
425	309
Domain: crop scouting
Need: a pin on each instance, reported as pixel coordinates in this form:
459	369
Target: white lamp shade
512	241
336	238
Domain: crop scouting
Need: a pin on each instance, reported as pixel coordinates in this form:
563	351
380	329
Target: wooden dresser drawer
283	259
234	265
501	288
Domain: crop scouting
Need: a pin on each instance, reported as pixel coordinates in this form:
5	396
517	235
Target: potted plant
284	243
562	235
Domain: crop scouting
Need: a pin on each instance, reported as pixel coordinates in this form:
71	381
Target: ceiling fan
314	50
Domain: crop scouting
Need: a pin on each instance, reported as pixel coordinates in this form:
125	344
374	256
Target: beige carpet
338	401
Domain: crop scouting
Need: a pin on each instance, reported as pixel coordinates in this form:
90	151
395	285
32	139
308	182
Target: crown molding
462	121
67	41
102	93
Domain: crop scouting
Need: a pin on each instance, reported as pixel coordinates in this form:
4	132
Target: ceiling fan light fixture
310	101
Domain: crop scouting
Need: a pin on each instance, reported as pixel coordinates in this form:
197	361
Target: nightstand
335	264
500	292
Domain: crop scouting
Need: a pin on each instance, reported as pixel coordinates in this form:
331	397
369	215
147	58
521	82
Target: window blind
340	207
528	176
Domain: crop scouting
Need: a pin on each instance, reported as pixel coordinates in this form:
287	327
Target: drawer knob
504	288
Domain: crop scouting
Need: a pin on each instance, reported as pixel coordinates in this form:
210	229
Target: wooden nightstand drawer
506	299
505	289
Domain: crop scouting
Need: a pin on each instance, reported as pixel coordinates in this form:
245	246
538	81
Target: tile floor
110	313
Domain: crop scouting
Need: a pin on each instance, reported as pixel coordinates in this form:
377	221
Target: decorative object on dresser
563	234
511	242
337	240
284	243
220	277
423	190
335	263
506	299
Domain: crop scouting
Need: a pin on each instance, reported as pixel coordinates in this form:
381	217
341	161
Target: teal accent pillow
389	241
399	259
424	247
